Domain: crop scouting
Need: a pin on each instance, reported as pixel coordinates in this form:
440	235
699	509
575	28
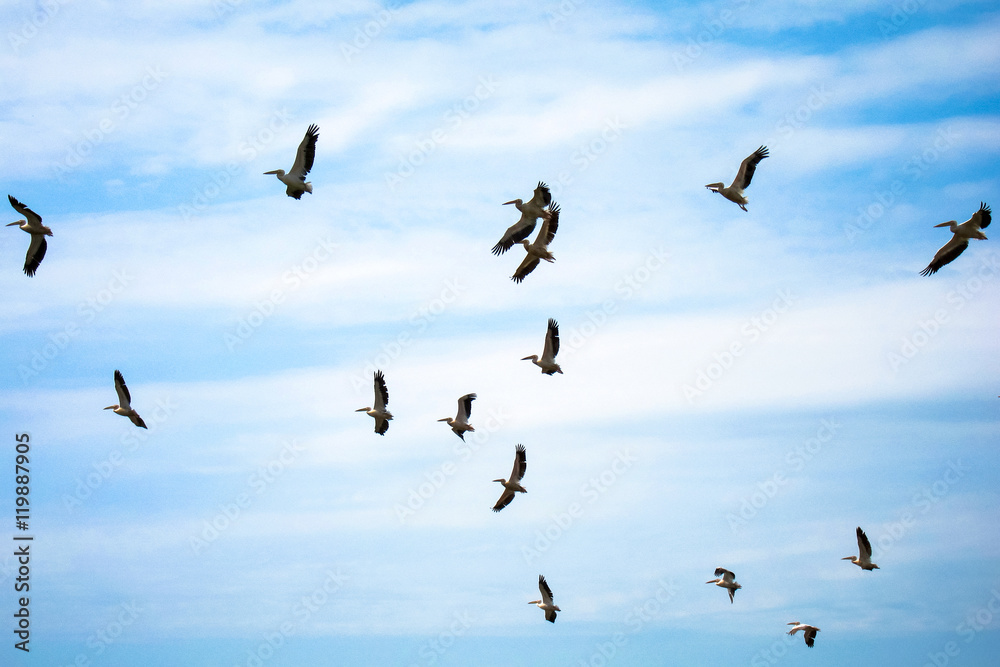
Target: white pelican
808	631
970	229
512	485
548	361
530	212
734	192
726	580
545	603
379	413
460	424
864	557
124	407
539	249
296	178
33	225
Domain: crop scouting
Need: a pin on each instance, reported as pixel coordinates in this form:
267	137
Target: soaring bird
460	424
296	178
734	192
970	229
808	631
379	413
124	407
530	212
548	361
864	557
726	580
539	249
33	225
512	485
545	603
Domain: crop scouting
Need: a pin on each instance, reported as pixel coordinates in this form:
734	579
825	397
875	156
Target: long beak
534	602
111	407
945	224
266	173
11	224
445	419
509	202
847	558
362	409
525	358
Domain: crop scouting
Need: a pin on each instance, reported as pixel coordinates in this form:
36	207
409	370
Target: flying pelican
296	178
734	192
539	249
514	483
548	361
808	631
33	225
864	558
460	424
381	415
545	603
726	580
124	407
970	229
530	212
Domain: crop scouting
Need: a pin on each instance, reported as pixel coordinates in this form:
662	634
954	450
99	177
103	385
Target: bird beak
444	420
847	558
270	172
362	410
944	224
111	407
11	224
525	358
509	202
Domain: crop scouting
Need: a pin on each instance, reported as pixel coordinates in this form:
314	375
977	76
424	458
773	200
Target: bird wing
748	167
864	546
983	216
505	499
306	154
381	392
465	407
543	586
520	464
550	616
551	340
137	420
726	575
36	252
516	233
550	226
948	253
124	398
810	635
381	426
528	265
33	218
542	197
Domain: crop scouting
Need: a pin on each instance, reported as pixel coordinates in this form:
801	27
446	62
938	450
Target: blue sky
740	389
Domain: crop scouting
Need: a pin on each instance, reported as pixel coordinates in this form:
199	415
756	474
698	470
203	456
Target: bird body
304	157
124	407
32	224
531	210
548	360
460	424
734	192
727	580
545	604
513	485
864	557
379	412
970	229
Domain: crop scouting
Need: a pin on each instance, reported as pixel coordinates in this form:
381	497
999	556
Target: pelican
809	631
512	485
539	249
548	361
296	178
726	580
545	603
734	192
379	413
460	424
33	225
864	558
530	212
970	229
124	407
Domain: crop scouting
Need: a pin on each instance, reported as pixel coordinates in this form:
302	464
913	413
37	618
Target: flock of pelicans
539	207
